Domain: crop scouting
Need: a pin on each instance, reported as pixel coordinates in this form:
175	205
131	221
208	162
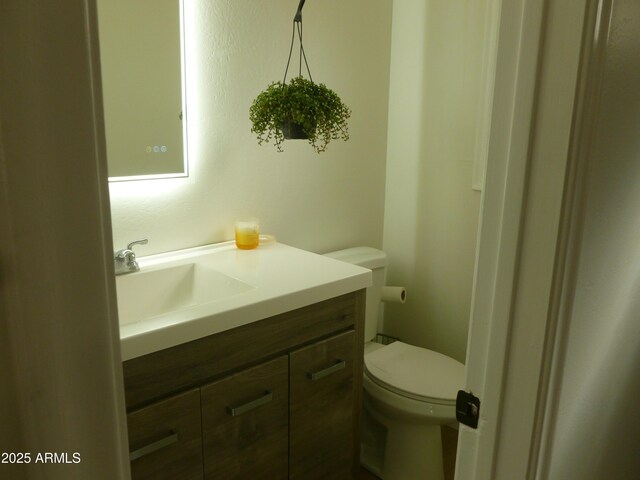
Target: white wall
431	211
597	431
60	371
317	202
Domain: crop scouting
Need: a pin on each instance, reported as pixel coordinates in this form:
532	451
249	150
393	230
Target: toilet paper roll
393	294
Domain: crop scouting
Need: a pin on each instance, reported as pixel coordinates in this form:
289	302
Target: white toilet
408	392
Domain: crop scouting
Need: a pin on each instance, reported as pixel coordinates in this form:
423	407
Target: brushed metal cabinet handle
339	365
246	407
154	447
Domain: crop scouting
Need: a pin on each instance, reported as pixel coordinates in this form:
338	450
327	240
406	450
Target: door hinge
467	409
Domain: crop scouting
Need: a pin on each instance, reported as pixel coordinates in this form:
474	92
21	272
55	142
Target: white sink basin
150	294
181	296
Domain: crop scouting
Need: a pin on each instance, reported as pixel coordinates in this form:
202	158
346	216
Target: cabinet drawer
322	405
165	439
190	364
245	424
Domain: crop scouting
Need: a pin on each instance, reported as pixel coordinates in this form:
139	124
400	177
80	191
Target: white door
523	232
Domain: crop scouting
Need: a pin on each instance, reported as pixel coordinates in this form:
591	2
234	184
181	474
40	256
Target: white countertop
281	278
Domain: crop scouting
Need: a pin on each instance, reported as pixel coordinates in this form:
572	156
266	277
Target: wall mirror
142	62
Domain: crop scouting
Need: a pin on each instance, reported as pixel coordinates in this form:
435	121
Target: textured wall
431	211
316	202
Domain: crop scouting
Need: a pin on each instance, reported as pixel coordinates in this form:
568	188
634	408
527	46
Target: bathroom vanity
271	397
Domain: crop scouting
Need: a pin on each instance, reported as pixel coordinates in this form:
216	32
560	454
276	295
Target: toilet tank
376	261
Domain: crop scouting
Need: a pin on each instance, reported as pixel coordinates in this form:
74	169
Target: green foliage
315	107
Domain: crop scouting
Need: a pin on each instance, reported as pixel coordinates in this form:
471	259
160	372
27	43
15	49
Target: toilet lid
415	372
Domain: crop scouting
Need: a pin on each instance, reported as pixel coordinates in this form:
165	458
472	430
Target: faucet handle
125	259
144	241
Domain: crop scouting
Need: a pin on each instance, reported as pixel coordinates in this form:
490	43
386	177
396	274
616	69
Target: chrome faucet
125	259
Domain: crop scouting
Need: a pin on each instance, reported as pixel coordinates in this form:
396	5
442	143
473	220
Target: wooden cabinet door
322	409
165	439
245	424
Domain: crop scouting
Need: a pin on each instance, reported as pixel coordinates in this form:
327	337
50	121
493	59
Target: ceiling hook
298	17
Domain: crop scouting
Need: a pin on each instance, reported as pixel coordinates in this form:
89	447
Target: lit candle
247	234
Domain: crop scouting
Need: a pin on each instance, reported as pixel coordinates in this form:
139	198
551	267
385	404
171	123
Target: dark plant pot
293	131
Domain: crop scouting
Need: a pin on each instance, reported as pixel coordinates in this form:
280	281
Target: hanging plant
300	109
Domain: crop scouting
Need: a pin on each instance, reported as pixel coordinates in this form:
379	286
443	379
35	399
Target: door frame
523	233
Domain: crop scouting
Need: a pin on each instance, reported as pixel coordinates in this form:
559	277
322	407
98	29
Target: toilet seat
415	372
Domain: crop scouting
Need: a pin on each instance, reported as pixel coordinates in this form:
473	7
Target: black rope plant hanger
300	109
289	129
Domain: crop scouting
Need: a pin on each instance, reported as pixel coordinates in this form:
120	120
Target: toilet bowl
409	392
